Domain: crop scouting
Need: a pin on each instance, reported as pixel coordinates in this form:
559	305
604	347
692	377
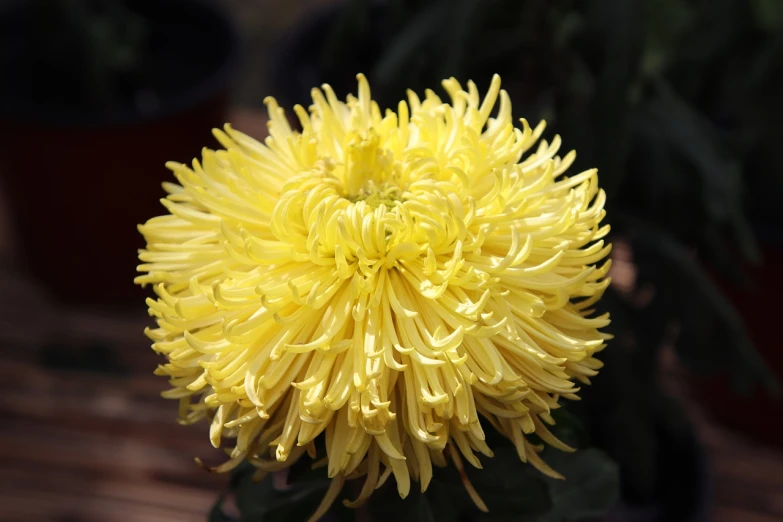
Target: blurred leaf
667	21
403	48
716	25
768	14
262	501
617	24
684	168
591	487
745	238
253	498
713	335
297	505
509	487
569	428
567	26
387	506
692	136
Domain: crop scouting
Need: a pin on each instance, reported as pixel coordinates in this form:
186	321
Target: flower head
392	282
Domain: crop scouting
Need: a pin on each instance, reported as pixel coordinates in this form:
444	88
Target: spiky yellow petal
385	281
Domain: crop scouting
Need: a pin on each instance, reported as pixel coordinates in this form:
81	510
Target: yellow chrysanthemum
388	281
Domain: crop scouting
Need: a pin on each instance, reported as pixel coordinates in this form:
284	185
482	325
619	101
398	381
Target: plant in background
95	49
677	104
382	294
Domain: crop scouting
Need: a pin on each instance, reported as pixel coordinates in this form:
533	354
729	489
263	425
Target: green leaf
569	428
567	26
253	498
299	504
667	21
509	487
591	487
768	14
264	501
386	505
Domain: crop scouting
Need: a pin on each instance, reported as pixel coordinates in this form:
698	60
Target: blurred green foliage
91	46
512	490
677	102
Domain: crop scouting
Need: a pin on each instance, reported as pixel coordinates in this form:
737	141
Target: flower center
374	194
370	173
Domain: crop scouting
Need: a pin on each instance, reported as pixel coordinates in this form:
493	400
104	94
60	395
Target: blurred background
677	102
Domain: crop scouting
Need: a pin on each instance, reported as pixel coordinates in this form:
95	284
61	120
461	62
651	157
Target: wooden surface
748	476
82	446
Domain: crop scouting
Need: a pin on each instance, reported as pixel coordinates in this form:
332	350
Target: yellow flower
394	282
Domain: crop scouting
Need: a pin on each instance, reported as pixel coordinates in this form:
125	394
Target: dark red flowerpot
78	184
756	415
